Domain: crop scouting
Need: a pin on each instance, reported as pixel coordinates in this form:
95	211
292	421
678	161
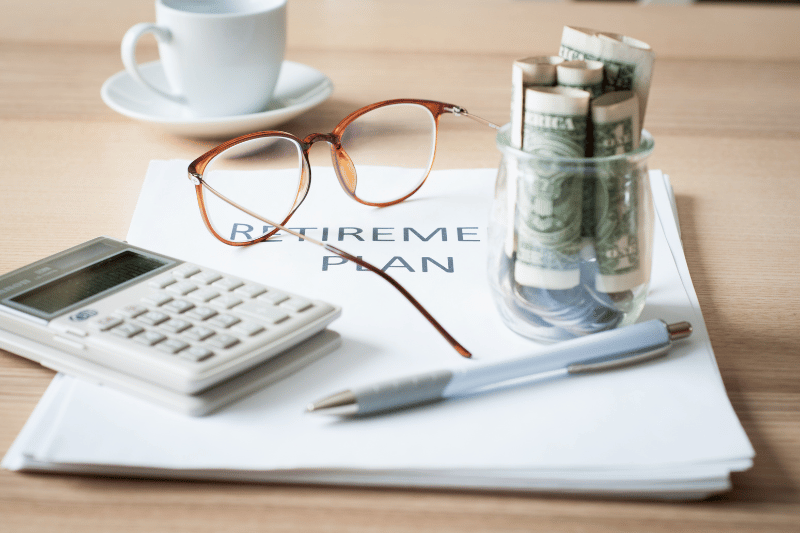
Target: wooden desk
724	110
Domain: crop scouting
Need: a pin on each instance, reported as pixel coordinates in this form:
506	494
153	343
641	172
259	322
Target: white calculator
185	336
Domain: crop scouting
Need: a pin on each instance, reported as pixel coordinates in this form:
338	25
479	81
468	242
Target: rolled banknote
628	61
586	75
549	196
617	208
527	72
581	74
537	71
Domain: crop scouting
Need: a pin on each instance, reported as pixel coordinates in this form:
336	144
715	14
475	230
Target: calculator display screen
89	281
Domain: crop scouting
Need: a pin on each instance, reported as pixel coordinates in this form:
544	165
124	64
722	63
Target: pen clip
619	362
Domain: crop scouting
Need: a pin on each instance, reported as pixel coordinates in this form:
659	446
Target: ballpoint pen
607	350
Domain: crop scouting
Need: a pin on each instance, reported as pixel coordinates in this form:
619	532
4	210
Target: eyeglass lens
262	175
391	149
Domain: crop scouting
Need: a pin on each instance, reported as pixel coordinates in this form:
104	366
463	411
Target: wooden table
724	110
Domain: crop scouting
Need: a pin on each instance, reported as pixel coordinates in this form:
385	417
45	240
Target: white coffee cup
220	57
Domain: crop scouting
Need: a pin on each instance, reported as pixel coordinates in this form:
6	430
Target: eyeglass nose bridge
345	170
330	138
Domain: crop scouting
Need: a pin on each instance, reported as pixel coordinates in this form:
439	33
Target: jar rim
646	146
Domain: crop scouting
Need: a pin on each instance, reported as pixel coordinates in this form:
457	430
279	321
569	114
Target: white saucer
299	88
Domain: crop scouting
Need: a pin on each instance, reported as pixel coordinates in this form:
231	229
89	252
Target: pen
607	350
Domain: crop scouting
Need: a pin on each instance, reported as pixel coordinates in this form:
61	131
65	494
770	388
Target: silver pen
607	350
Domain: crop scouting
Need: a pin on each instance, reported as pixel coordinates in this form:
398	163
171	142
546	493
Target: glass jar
570	241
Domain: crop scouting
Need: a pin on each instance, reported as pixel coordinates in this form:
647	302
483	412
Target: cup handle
128	50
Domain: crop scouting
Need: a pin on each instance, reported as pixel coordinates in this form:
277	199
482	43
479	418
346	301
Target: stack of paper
663	429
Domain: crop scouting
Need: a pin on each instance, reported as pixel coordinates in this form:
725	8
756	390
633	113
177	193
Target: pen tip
341	404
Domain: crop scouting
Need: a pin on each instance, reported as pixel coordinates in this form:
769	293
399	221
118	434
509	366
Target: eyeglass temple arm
454	343
461	112
341	253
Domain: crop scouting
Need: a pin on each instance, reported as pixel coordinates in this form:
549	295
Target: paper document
663	429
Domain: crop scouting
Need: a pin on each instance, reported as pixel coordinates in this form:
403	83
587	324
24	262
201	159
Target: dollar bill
549	196
586	75
537	71
628	61
617	194
581	74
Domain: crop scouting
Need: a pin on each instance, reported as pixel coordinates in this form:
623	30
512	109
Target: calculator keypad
198	314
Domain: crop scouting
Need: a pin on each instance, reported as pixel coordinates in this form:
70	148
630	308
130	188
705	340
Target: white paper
663	428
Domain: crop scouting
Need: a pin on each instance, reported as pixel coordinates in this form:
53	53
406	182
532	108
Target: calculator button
182	288
198	333
153	318
178	306
206	277
176	325
250	291
227	301
172	345
127	330
196	354
161	283
248	329
274	297
296	304
204	295
185	271
224	321
263	311
150	338
228	284
201	313
132	311
223	341
156	299
107	322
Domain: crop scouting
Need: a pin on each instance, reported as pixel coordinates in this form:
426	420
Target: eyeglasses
382	154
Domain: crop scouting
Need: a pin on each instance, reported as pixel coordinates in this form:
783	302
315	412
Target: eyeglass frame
345	173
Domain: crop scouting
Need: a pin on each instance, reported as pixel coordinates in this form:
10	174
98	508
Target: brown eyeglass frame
345	172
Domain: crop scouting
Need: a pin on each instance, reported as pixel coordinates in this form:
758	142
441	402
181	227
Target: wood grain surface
724	110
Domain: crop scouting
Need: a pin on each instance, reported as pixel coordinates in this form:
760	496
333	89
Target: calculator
177	333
